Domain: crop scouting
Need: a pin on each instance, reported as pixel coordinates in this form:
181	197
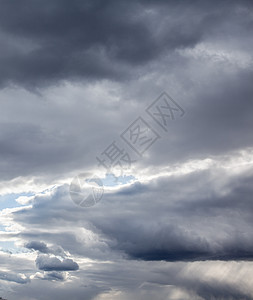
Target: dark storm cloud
190	220
43	41
191	230
166	221
45	138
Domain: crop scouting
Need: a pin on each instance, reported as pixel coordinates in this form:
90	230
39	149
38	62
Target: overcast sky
165	87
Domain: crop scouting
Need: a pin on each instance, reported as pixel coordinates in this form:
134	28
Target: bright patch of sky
9	200
111	180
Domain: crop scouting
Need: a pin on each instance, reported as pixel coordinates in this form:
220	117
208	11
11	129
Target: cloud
160	45
47	263
73	76
40	246
43	248
94	40
51	276
55	276
22	279
166	228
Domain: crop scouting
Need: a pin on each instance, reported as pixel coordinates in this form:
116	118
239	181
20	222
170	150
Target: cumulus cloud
47	263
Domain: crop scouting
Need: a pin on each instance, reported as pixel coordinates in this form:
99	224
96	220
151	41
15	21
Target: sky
126	150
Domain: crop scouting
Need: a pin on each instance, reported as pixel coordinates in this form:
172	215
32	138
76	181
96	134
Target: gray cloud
164	229
91	40
39	246
51	42
52	276
73	76
57	132
43	248
13	277
47	263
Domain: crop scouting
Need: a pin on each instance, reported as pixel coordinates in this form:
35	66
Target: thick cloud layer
91	39
48	42
74	76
